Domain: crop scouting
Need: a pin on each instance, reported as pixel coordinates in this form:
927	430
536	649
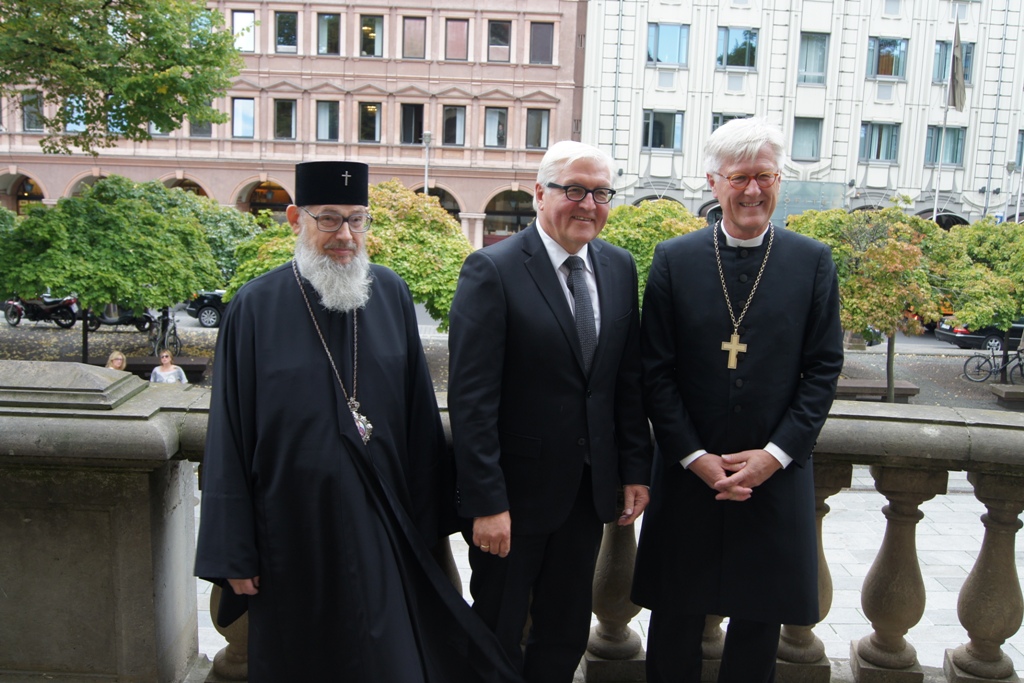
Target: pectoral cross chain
733	346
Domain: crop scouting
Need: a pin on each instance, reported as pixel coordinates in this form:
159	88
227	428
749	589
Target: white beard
342	287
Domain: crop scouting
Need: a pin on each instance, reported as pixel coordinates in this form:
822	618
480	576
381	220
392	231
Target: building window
31	112
495	125
813	58
243	26
887	57
944	57
737	48
668	44
542	43
414	37
718	120
412	124
663	130
454	121
1020	149
287	31
892	8
371	38
243	117
499	37
806	139
456	39
328	34
327	121
200	130
879	141
369	122
284	119
76	115
952	146
537	128
155	131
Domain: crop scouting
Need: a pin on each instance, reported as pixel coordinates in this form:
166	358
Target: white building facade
858	86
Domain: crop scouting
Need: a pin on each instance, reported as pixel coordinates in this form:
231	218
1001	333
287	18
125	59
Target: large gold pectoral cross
733	346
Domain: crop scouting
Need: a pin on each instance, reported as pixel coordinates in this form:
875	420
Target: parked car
988	338
207	307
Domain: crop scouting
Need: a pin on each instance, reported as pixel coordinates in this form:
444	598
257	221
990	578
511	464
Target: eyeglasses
739	181
164	357
332	222
577	193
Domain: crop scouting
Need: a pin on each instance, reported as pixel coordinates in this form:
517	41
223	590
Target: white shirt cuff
779	454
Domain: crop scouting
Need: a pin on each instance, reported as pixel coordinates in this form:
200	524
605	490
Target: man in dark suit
547	426
742	348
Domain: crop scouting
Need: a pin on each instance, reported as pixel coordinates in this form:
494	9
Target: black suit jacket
524	414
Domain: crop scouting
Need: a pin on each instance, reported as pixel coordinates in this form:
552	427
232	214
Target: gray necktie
585	328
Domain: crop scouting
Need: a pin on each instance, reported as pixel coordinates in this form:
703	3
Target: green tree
883	270
988	289
639	229
110	69
412	234
223	226
104	249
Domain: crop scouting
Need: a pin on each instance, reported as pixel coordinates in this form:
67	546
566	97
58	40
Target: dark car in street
207	307
987	338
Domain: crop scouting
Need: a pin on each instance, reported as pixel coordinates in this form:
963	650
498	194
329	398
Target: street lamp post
427	136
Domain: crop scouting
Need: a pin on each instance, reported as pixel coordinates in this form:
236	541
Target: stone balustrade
86	445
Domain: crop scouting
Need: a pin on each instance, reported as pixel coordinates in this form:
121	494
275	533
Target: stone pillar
801	653
614	651
990	605
232	662
97	525
893	596
712	644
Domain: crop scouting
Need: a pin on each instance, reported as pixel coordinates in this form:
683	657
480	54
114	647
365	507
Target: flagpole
938	166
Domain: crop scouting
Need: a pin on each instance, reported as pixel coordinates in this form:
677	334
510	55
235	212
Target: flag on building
957	90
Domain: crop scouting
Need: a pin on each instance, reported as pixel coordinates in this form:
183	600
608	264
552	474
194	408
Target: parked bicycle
980	367
163	334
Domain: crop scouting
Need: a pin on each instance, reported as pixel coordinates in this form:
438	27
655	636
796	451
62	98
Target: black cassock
755	559
338	532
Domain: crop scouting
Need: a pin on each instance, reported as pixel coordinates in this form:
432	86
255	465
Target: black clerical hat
331	182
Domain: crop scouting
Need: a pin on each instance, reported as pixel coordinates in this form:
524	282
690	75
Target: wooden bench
875	390
1008	395
195	367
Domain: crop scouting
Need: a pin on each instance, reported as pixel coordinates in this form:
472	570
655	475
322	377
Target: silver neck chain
736	322
362	424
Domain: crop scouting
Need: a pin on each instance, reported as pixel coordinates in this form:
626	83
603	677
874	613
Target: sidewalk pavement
948	540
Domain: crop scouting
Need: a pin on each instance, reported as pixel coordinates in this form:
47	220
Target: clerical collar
733	242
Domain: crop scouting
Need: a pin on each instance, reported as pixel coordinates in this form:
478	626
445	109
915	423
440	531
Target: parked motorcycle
113	315
61	310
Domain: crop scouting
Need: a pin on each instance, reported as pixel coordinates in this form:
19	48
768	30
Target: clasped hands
735	475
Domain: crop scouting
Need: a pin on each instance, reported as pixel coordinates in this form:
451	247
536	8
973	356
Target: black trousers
557	569
674	649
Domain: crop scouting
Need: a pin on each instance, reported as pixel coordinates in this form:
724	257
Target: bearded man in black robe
326	466
742	348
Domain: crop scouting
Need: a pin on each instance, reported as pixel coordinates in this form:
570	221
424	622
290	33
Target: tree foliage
108	69
224	227
988	288
107	250
412	234
639	229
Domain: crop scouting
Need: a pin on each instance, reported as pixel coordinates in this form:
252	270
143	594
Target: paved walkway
948	540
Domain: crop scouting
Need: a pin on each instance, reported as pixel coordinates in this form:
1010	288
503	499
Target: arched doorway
944	219
27	192
269	196
189	186
508	213
447	201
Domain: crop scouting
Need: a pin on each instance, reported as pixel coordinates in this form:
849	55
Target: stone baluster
614	650
798	646
893	596
232	662
990	606
712	644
